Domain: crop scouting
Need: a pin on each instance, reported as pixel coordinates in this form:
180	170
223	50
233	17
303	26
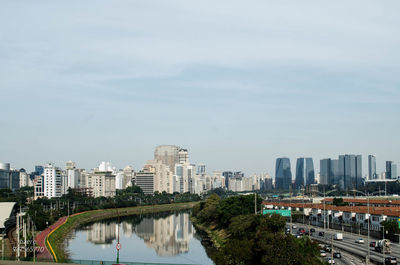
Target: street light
324	193
369	216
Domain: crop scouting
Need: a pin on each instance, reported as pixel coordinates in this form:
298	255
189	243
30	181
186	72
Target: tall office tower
168	155
350	169
227	175
283	174
52	181
372	167
391	170
305	174
201	169
335	178
299	182
325	171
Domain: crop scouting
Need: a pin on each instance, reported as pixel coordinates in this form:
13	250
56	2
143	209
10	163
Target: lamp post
324	193
369	216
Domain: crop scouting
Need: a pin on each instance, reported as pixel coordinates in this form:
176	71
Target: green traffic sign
281	212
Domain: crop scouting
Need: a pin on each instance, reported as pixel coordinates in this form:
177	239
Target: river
154	238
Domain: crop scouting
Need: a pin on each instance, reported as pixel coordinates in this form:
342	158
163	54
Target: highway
349	245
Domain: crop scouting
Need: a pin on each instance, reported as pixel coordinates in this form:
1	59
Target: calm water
164	238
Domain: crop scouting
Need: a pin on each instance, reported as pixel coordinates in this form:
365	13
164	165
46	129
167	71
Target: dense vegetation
245	238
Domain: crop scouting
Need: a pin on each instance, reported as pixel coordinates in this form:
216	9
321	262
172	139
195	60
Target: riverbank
56	239
216	237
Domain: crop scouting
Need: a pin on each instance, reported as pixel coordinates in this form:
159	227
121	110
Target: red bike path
41	239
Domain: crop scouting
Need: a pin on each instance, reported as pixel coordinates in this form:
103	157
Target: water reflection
167	235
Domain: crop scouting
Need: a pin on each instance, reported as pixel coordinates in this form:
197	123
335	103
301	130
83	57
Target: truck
338	236
383	246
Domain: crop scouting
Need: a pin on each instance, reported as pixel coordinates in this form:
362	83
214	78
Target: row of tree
252	238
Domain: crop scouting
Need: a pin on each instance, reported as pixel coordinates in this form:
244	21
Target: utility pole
332	250
255	203
24	227
18	246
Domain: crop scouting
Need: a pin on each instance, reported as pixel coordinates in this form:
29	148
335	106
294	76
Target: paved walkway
41	239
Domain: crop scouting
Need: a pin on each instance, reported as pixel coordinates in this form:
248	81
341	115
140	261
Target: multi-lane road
354	250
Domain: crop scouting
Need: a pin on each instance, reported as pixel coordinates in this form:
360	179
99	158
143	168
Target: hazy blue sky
238	83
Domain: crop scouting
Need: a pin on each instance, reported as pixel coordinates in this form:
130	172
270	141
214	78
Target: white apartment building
52	181
102	181
24	179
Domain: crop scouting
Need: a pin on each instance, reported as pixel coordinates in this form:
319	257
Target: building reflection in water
168	236
102	234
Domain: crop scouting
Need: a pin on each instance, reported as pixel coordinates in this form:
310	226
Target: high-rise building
283	174
70	165
72	176
201	169
305	174
183	156
391	170
39	170
227	175
325	171
145	180
9	178
350	170
168	155
24	179
52	181
372	167
102	181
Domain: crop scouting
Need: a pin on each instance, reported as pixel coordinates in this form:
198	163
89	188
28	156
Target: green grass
57	238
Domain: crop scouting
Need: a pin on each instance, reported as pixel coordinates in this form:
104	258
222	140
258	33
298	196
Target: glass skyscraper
304	172
283	174
350	171
372	167
391	170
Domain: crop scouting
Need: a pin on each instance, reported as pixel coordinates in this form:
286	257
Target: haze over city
237	83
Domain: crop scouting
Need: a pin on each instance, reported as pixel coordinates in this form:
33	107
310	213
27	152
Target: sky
237	83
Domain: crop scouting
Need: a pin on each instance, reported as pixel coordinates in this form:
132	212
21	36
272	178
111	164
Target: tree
391	228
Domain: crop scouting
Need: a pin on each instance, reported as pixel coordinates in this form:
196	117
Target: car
287	230
372	244
298	236
321	233
328	249
322	253
390	260
330	260
312	230
337	255
294	226
360	241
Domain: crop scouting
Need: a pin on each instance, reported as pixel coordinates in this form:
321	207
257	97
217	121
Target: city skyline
239	84
380	165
